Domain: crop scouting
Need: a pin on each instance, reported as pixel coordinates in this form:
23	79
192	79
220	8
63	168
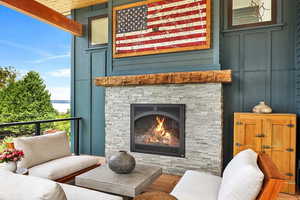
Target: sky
28	44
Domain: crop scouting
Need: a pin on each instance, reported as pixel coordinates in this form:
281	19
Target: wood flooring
166	182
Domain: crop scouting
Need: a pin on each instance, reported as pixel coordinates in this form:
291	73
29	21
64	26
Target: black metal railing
38	128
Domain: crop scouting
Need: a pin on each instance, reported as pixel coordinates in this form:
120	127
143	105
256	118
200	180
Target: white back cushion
242	178
19	187
40	149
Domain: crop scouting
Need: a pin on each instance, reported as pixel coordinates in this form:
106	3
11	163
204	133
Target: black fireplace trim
160	150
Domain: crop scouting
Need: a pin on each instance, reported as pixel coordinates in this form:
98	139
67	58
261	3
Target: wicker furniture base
155	196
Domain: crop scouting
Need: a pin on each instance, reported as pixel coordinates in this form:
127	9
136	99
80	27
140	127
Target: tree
7	75
25	100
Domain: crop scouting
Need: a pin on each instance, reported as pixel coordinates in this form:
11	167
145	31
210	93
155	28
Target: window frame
230	17
90	19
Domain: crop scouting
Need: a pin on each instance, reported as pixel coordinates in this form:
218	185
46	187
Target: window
246	13
98	28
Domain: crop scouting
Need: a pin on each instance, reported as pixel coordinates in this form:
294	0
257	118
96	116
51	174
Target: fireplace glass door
158	129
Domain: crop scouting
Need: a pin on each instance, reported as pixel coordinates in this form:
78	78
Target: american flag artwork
161	26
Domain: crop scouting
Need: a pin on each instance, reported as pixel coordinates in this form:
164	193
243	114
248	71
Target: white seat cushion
78	193
196	185
40	149
242	178
62	167
19	187
5	171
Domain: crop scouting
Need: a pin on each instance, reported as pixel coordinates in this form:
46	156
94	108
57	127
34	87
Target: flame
160	124
160	135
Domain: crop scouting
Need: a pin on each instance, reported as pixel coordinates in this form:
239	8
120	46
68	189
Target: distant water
62	106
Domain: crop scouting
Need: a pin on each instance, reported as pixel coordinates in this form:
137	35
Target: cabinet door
279	144
247	134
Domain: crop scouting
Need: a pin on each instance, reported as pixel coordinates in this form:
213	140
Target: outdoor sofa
49	156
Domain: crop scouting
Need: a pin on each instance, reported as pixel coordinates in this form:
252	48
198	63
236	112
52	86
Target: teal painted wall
88	63
263	64
297	56
87	99
297	74
262	59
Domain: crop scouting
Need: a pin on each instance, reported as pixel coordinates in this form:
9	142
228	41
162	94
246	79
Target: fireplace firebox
158	129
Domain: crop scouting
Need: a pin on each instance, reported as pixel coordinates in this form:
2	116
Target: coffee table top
130	185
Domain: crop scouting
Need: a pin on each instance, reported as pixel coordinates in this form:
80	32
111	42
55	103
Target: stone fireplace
158	129
203	123
176	126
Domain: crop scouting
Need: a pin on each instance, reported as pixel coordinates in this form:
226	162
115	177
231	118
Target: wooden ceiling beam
45	14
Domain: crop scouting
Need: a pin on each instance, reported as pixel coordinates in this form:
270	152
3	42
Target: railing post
37	129
76	137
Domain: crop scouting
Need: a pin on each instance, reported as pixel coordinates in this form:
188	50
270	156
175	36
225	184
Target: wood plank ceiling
65	6
45	14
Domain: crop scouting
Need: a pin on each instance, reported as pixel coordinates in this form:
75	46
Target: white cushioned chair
19	187
247	177
49	156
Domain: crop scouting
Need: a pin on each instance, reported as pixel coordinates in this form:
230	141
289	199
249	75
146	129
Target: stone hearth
203	125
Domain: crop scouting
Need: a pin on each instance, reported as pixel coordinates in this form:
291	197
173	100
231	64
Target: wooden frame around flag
175	48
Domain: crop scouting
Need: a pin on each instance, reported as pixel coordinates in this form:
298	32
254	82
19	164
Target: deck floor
166	183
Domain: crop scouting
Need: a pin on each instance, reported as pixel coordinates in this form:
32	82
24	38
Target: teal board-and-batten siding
297	56
264	61
87	63
297	74
87	99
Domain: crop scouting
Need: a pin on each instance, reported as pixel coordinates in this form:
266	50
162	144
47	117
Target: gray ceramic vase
122	163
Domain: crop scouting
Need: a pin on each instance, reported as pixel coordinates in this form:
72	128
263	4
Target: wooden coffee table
126	185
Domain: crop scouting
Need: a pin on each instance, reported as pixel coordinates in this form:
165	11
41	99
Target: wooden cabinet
274	134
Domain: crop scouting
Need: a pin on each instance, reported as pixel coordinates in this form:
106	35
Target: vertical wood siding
262	60
87	63
87	99
297	56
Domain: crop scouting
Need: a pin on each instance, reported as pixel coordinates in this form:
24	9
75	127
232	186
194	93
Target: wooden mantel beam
45	14
214	76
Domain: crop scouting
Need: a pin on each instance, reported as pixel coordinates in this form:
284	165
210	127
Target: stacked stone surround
203	126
